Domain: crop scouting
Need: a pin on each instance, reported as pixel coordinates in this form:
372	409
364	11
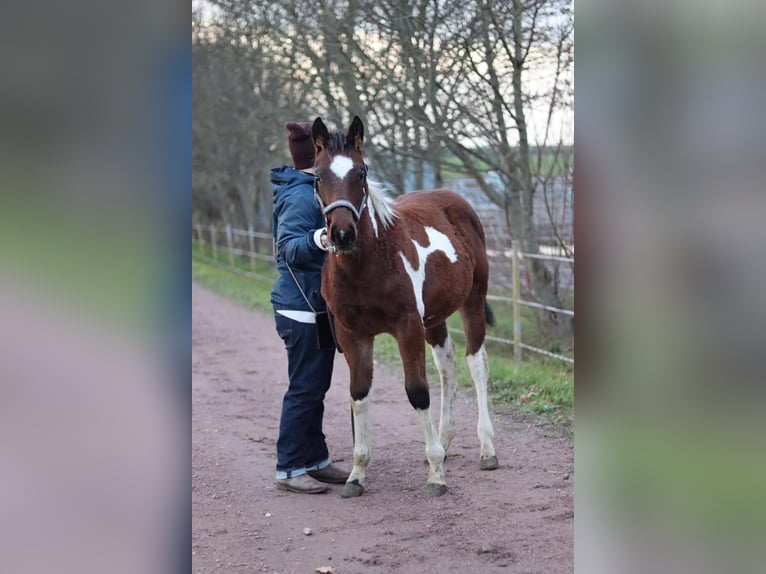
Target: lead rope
298	285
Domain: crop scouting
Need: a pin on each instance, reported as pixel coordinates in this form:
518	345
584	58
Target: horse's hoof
489	463
435	489
352	489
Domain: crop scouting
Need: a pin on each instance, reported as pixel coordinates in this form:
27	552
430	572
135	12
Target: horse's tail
489	314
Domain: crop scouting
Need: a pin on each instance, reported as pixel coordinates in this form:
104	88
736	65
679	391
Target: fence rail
253	250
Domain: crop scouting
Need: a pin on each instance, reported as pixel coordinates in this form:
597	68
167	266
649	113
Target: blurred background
95	171
670	143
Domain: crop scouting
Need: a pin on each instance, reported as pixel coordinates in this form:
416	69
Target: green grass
544	386
249	291
696	474
107	268
452	167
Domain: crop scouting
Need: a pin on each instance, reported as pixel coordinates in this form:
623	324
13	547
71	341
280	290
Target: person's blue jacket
297	217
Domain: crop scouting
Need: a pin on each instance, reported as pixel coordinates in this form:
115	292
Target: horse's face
341	181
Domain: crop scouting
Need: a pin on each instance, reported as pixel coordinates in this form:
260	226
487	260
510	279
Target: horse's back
432	207
441	198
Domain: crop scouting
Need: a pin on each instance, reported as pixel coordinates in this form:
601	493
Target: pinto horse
402	269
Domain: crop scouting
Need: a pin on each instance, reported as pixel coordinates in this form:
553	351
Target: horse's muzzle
343	239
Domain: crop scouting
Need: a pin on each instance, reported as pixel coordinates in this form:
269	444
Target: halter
357	213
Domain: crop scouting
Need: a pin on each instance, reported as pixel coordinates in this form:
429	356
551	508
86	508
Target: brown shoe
303	484
330	474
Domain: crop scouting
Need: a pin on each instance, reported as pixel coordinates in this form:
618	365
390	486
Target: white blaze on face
437	241
341	165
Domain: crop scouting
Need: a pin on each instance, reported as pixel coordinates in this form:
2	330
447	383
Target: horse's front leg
411	339
358	353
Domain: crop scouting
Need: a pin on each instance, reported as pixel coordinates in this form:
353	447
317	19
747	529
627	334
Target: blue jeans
301	446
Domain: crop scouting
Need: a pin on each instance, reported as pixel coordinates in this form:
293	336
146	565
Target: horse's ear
319	134
356	134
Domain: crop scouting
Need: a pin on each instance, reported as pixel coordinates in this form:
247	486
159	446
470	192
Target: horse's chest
363	319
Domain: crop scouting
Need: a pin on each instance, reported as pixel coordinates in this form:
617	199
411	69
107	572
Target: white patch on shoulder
440	242
341	165
437	241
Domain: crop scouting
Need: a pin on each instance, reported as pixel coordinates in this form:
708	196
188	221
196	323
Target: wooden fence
226	242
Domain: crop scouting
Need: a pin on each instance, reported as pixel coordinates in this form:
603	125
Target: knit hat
300	143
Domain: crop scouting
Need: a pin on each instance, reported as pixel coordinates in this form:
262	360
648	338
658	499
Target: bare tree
241	98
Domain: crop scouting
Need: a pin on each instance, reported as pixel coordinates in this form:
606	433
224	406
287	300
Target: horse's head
341	180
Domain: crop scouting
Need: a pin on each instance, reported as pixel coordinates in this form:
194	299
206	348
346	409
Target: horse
401	268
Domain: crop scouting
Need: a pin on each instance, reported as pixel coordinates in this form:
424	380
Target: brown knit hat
300	143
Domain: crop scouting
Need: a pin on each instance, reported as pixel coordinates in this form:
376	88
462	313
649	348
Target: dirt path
518	518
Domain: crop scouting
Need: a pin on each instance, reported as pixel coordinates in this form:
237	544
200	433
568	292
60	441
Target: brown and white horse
402	269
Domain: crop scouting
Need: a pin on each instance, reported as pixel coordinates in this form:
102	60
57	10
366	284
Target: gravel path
518	518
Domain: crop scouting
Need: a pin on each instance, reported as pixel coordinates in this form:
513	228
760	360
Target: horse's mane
380	202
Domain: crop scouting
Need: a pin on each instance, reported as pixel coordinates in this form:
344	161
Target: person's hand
325	241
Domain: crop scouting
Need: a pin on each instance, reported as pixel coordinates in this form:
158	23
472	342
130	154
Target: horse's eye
362	175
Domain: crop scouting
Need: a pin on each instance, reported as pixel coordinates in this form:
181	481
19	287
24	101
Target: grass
253	292
696	474
107	268
542	386
452	167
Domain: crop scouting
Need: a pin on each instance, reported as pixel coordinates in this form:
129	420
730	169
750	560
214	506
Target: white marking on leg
444	359
437	241
434	449
479	367
341	165
362	440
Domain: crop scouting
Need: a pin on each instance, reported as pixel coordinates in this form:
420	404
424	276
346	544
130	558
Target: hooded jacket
297	217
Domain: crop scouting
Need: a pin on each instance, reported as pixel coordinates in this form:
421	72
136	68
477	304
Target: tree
241	99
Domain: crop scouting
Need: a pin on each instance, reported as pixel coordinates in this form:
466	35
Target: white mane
380	205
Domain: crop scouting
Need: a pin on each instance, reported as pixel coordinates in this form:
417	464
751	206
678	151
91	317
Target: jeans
301	446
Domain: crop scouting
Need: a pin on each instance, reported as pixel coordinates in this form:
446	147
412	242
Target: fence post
214	242
229	244
516	297
251	246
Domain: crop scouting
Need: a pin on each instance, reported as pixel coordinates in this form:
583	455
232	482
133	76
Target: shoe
330	474
302	484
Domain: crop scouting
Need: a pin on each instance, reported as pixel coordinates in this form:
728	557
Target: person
303	462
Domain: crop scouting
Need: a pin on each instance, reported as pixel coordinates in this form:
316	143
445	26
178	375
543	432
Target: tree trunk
246	193
554	324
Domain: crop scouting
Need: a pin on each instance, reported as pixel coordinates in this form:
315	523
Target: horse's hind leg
474	323
443	350
412	348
